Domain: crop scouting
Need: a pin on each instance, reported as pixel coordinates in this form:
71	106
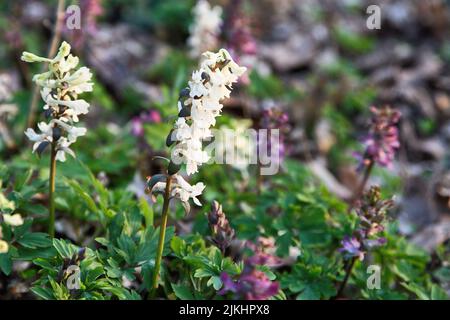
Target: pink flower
382	141
137	123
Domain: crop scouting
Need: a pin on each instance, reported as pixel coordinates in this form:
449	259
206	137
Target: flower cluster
206	29
61	85
382	141
13	220
180	189
253	283
371	211
239	37
137	123
274	118
199	105
263	253
222	232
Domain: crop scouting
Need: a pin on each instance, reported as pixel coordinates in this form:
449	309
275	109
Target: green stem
361	187
51	192
348	272
162	232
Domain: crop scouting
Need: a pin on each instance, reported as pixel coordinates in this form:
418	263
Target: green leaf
102	241
5	263
178	246
44	293
416	289
84	195
65	249
147	212
309	294
437	293
6	206
35	240
182	292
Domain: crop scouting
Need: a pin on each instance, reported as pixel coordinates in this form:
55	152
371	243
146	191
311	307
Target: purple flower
352	247
371	211
273	118
252	284
263	253
238	36
375	243
137	123
382	141
223	233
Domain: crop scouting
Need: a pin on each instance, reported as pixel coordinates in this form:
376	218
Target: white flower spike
61	85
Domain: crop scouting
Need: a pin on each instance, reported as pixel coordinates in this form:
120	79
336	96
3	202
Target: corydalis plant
237	31
380	144
199	105
382	141
60	87
371	211
222	233
253	283
274	118
238	36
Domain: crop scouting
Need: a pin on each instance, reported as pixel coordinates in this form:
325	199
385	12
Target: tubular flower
199	105
180	189
253	283
61	85
138	122
382	141
371	211
238	36
222	232
205	30
274	118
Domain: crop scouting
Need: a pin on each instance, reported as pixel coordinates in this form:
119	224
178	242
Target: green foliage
312	278
202	267
353	42
94	283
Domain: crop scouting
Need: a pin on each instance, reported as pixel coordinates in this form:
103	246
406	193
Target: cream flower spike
60	85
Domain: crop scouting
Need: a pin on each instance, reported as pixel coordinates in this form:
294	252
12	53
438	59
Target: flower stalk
162	232
60	87
198	106
371	211
51	192
348	272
